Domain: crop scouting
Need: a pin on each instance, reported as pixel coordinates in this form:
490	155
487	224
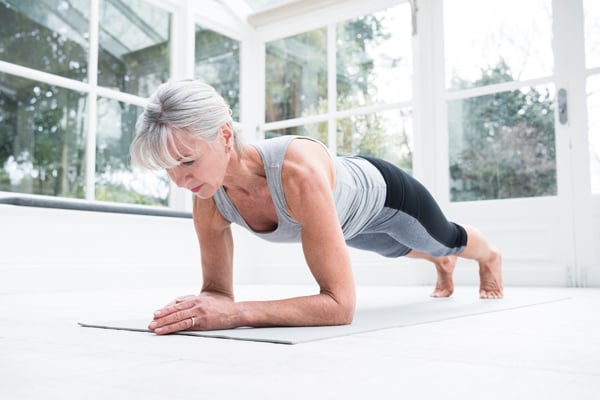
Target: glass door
510	132
591	12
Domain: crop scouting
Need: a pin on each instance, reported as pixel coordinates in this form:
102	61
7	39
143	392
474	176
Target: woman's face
202	165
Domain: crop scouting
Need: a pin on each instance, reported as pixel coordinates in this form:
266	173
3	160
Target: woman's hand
194	313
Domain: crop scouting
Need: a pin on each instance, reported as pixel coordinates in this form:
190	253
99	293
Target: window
591	12
58	34
386	134
372	112
296	76
218	64
500	99
316	131
45	108
42	138
374	61
134	39
115	180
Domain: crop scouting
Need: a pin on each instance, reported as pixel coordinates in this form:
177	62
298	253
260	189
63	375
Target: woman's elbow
341	307
345	311
347	315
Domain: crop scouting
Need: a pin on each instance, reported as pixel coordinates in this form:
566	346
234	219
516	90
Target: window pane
42	138
317	131
591	9
513	37
134	41
387	135
374	58
503	145
296	76
52	38
593	103
115	180
218	64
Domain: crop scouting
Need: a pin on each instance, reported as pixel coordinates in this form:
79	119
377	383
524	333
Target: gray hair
188	105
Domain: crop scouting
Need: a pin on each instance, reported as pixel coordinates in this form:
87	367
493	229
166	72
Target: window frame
328	17
91	88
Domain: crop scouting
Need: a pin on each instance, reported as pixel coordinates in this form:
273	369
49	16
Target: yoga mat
393	314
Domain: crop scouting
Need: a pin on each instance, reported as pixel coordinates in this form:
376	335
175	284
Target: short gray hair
188	105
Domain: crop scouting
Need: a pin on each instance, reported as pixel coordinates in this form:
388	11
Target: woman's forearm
321	309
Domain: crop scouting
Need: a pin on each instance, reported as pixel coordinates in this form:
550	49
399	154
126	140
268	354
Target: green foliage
121	194
218	64
296	76
26	42
43	127
354	65
506	142
296	85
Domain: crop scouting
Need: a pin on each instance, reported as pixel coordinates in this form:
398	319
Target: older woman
290	189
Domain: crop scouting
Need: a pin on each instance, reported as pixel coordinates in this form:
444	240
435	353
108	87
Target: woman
290	189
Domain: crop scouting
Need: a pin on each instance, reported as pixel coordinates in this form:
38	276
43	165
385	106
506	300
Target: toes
490	295
439	293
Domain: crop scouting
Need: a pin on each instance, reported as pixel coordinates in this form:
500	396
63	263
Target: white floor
549	351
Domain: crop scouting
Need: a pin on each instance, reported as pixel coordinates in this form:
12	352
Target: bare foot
445	284
490	277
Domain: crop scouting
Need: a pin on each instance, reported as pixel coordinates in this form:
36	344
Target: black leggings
410	220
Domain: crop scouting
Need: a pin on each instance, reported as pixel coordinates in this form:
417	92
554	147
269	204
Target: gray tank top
359	193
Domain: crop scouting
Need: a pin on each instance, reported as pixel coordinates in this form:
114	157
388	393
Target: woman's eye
187	163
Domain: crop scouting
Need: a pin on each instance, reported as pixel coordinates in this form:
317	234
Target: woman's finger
180	299
175	327
172	319
173	308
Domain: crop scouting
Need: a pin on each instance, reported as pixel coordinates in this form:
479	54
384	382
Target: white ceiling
243	9
260	12
258	5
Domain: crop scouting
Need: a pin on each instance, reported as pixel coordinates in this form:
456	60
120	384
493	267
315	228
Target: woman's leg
413	218
490	263
444	266
478	249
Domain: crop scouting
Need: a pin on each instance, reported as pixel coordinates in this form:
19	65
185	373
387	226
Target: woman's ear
227	134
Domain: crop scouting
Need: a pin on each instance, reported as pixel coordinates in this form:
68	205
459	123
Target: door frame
546	240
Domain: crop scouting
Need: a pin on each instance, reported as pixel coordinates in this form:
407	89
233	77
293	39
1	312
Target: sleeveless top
359	193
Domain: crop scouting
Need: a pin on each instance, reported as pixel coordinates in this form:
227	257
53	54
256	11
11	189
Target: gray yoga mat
369	318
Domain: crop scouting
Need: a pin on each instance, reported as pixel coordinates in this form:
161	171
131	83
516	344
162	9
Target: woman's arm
216	296
216	249
308	180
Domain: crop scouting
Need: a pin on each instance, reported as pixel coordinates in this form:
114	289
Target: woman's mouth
196	189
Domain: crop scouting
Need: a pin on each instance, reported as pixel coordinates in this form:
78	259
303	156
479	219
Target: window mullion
92	111
331	86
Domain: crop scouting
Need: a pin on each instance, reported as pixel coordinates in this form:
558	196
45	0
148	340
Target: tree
296	85
218	64
296	76
502	145
42	127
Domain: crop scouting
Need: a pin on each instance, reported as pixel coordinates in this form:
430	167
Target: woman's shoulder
307	159
206	215
283	141
274	151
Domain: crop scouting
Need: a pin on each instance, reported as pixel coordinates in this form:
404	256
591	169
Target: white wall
51	249
592	273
